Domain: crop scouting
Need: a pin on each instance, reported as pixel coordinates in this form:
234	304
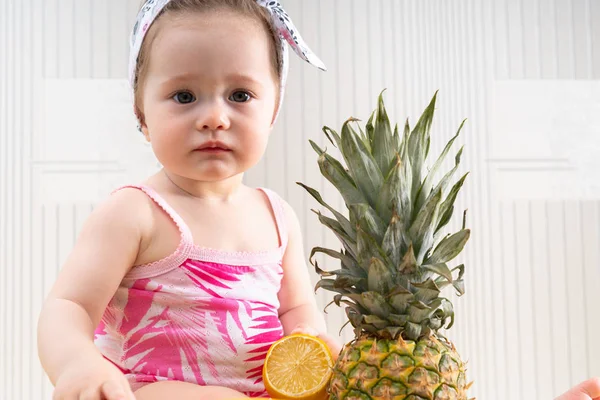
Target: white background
526	74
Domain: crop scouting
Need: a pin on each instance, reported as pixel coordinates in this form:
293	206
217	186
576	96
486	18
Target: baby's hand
92	379
587	390
333	344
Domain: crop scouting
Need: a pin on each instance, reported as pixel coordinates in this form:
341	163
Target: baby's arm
106	248
299	311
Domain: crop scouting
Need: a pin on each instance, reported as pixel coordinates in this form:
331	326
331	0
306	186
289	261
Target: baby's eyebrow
179	78
240	78
244	78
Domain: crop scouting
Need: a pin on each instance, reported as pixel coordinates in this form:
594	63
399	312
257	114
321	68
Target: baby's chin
213	173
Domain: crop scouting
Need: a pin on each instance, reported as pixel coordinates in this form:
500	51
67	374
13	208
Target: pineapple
394	261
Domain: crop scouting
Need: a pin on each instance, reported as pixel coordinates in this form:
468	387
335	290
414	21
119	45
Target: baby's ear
144	130
276	112
142	127
273	121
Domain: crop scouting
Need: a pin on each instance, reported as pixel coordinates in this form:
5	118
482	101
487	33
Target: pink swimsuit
199	315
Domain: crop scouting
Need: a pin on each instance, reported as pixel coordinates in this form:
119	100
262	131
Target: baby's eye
184	97
240	96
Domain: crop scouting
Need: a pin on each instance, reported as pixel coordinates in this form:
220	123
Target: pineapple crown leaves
393	265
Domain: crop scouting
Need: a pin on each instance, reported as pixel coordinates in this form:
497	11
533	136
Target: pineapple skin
372	368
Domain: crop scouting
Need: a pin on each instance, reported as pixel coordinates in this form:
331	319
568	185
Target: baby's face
209	83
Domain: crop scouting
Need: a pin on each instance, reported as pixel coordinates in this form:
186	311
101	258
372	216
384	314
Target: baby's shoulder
129	198
274	199
124	212
287	211
128	204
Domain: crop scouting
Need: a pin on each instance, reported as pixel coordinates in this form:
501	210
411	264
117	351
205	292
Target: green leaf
458	283
347	261
448	312
418	146
397	140
429	179
442	282
369	221
316	148
329	284
423	126
383	144
422	230
397	319
366	173
403	202
355	319
349	244
322	272
401	301
409	262
403	150
442	311
357	298
367	248
337	299
339	272
391	332
440	269
362	136
370	128
447	207
389	191
335	173
375	304
344	279
380	277
331	223
461	271
427	291
420	315
419	305
338	216
445	217
359	309
393	240
449	247
376	321
347	281
443	183
329	133
413	331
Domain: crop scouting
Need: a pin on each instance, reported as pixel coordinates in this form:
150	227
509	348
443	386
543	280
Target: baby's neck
223	190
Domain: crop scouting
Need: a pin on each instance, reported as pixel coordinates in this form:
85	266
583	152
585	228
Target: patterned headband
282	22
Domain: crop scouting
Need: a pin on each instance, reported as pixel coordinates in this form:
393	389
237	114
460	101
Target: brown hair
249	8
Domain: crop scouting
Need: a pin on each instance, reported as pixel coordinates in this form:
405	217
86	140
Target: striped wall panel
527	323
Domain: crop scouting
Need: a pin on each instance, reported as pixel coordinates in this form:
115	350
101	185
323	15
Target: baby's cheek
257	146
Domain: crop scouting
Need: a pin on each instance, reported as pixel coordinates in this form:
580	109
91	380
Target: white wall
526	74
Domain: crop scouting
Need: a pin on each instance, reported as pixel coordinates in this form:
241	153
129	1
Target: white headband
282	22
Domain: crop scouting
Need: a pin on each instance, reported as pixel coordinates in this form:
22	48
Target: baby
177	286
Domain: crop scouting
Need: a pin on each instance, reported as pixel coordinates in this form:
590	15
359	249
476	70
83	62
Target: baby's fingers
305	329
587	390
113	390
90	394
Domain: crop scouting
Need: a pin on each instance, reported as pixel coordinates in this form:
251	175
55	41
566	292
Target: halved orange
298	367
